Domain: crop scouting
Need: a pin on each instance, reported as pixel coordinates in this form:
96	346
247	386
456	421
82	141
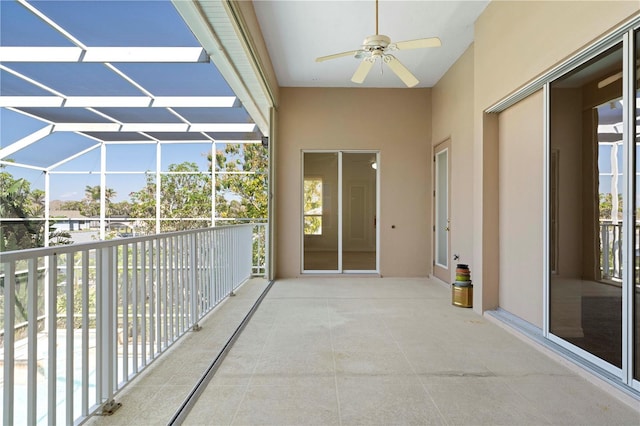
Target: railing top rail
10	256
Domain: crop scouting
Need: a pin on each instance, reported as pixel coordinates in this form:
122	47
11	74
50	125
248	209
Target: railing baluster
619	252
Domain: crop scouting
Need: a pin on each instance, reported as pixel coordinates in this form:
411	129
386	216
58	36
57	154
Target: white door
441	229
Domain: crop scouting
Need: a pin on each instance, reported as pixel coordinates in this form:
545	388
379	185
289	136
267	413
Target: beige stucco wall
452	106
397	122
515	42
521	209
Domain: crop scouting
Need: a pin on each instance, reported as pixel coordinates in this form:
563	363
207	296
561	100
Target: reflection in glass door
320	211
359	172
339	212
586	143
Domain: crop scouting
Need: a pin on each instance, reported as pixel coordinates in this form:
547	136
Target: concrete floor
367	351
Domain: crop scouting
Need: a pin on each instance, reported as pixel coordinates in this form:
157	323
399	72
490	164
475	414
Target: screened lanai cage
125	157
101	101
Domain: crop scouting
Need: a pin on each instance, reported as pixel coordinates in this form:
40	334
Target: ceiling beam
26	141
154	127
119	101
103	54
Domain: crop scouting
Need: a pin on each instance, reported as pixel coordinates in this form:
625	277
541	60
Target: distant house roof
71	214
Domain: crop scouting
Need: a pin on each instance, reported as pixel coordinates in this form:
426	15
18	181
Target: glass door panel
586	143
358	212
441	231
320	211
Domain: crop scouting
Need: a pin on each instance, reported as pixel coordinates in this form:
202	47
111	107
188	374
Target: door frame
340	269
442	271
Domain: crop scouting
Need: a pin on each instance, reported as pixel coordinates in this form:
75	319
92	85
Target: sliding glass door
593	215
339	212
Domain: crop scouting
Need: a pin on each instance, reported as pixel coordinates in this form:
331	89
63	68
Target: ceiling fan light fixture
375	46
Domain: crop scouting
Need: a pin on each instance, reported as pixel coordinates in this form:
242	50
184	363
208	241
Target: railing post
9	349
105	324
70	279
85	333
32	338
52	330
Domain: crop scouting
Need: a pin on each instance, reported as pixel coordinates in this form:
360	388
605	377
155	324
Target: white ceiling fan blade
363	70
416	44
401	71
336	55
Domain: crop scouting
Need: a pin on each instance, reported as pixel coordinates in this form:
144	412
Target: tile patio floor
366	351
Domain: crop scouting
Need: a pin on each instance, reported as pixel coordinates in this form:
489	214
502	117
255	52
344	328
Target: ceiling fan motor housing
376	42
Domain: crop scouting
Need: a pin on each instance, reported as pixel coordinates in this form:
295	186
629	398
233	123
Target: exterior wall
397	122
452	106
521	209
514	42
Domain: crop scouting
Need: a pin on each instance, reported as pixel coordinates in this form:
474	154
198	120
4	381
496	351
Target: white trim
44	54
23	166
155	127
436	223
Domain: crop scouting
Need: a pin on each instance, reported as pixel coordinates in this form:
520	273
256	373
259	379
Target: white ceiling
296	32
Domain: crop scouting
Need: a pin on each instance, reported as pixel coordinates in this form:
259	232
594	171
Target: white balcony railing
611	250
80	321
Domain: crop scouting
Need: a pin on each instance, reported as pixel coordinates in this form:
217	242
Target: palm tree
92	200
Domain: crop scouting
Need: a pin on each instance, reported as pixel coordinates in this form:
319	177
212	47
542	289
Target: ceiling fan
376	47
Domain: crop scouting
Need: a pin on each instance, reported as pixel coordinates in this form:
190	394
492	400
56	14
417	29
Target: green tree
91	203
606	204
242	192
185	193
22	223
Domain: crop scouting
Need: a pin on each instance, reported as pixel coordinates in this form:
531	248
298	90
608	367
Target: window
313	206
